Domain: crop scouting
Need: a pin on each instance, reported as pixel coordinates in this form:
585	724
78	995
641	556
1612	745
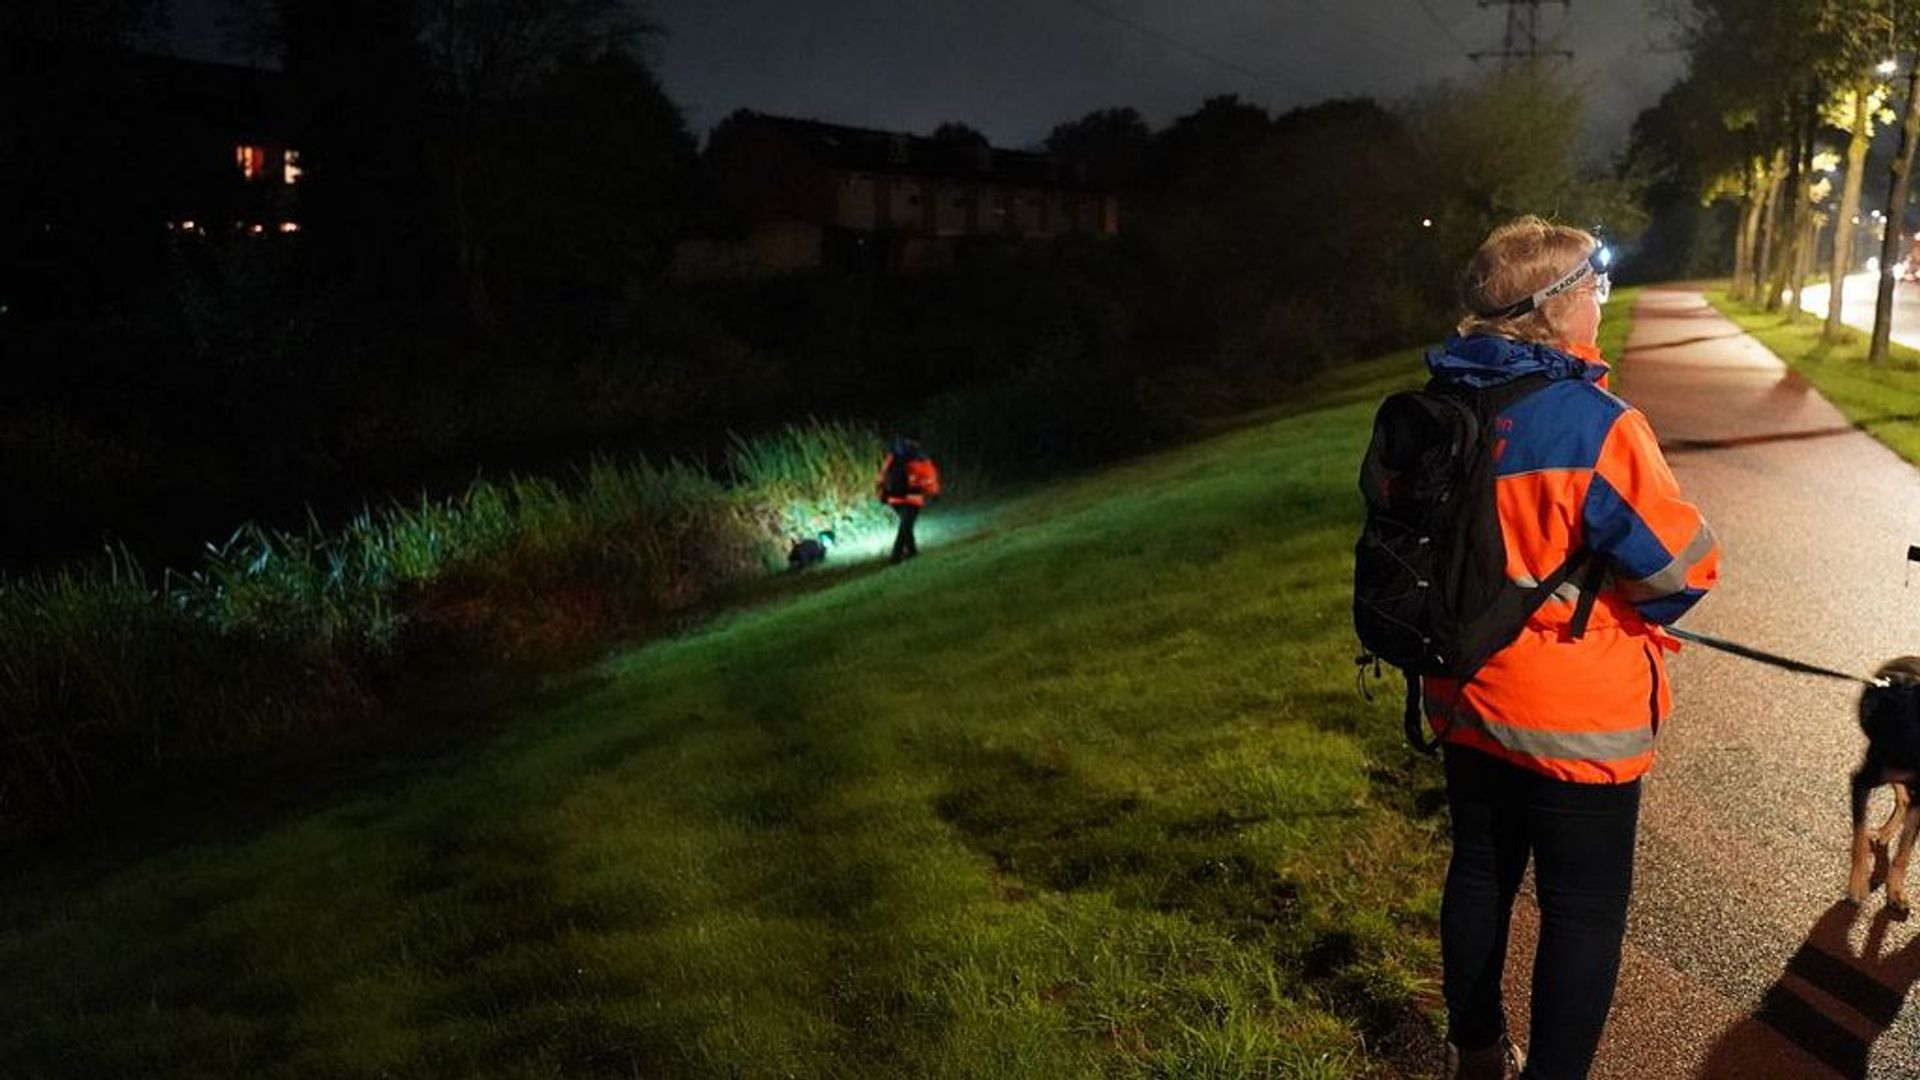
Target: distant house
165	142
117	151
803	194
222	158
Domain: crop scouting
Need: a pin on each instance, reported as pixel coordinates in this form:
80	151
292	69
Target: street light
1886	67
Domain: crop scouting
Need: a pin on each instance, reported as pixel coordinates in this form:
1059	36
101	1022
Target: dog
1890	718
809	552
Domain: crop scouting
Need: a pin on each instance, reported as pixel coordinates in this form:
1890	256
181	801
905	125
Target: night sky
1014	68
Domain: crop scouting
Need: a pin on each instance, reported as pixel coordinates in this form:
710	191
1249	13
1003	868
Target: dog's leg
1860	874
1884	835
1897	869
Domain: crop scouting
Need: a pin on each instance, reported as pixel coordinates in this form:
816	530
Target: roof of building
242	101
871	150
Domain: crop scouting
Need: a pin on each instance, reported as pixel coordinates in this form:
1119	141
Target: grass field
1087	790
1879	399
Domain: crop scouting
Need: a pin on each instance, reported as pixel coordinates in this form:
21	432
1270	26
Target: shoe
1497	1061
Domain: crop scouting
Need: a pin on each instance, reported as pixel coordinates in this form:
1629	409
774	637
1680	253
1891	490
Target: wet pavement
1742	959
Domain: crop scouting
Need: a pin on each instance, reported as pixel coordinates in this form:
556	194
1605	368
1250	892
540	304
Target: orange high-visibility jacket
923	482
1575	465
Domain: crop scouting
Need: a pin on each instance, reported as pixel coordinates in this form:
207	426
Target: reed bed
112	677
810	478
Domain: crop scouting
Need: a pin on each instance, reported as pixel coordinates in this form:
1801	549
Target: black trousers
903	545
1580	838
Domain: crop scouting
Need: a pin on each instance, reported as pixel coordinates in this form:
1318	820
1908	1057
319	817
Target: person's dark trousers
903	545
1580	837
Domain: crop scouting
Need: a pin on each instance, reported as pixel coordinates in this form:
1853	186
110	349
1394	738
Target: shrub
104	682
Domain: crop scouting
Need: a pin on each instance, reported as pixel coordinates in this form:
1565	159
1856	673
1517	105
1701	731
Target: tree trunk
1896	220
1861	137
1786	238
1768	252
1801	255
1809	252
1746	245
467	234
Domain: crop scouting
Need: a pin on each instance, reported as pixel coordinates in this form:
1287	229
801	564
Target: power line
1444	28
1201	54
1370	31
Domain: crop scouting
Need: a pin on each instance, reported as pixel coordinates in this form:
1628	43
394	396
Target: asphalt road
1743	960
1857	301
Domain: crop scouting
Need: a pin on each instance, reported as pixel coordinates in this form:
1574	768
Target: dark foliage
1683	146
1115	144
490	194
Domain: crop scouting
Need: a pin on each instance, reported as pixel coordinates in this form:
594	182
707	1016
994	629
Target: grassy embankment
1879	399
1087	792
1616	320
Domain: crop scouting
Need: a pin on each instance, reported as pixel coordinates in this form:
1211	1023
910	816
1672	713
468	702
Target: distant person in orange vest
907	480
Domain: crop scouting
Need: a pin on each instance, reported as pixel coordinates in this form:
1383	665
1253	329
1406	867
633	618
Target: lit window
290	170
251	159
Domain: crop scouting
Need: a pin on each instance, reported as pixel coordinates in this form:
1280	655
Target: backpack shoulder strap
1590	579
1496	397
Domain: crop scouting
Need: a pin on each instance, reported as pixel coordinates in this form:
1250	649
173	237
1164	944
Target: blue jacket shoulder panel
1560	426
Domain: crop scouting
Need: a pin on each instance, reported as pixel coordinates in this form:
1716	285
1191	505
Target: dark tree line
1795	118
491	191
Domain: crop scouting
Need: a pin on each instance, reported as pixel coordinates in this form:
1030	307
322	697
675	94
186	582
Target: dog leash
1751	653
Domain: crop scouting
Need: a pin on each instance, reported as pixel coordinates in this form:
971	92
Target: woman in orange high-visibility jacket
1545	745
907	480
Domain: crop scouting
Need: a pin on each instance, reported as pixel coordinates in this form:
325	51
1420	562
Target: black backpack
1430	588
896	485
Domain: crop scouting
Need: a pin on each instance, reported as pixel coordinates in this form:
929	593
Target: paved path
1741	961
1856	307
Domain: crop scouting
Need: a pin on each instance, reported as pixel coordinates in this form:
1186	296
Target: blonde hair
1515	261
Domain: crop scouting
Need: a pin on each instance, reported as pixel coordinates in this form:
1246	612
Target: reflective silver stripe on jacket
1664	582
1561	745
1671	578
1568	590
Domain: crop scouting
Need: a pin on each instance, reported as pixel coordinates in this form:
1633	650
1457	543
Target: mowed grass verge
1087	790
1882	400
1616	321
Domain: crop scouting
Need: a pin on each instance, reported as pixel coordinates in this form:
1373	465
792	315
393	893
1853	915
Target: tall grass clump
104	681
803	480
109	678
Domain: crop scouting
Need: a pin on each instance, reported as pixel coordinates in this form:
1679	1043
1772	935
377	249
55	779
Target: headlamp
1595	267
